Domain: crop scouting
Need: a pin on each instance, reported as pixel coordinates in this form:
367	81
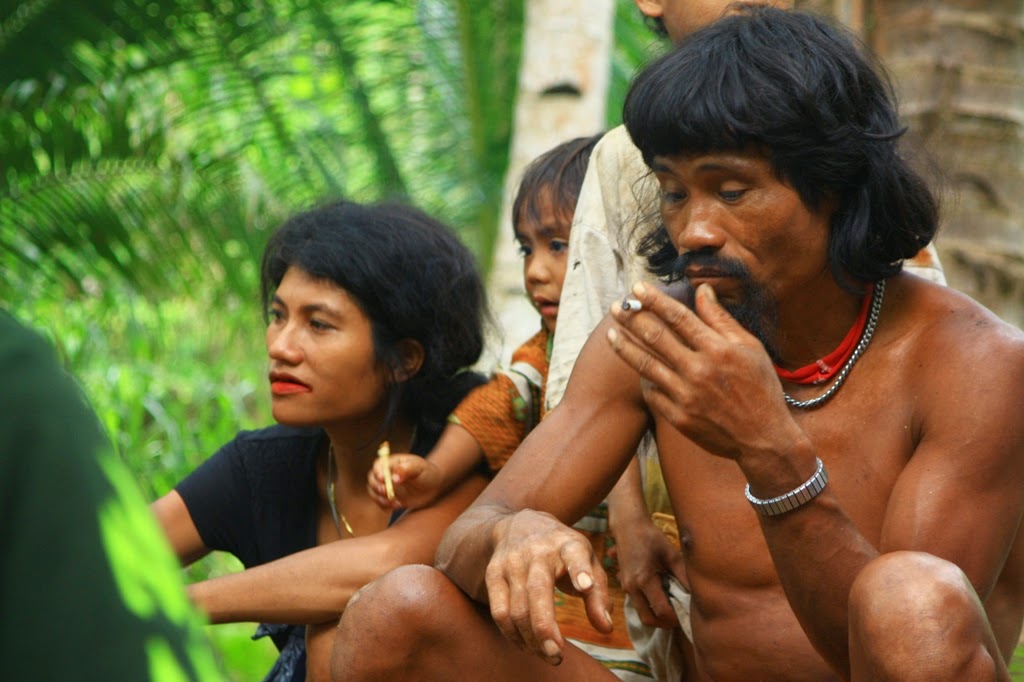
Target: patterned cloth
499	414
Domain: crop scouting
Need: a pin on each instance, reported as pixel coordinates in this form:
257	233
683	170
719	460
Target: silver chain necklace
865	339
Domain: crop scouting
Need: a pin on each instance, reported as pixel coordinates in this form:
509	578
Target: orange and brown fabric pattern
497	414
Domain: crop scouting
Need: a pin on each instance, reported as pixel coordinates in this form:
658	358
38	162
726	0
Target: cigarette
384	452
631	304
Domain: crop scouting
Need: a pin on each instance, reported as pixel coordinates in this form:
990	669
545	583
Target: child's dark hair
411	276
560	170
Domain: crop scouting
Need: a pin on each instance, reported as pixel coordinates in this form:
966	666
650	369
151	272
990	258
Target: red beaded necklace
820	371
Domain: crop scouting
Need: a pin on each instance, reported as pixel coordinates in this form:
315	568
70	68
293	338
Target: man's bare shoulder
945	315
955	337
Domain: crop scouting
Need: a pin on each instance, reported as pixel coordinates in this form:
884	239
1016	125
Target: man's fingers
647	365
523	609
539	629
662	613
643	608
678	567
663	308
715	316
533	553
499	600
591	582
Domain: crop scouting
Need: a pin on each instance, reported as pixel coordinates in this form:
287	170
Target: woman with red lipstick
373	314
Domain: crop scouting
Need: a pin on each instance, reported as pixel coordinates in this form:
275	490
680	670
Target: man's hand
416	480
645	555
534	552
704	373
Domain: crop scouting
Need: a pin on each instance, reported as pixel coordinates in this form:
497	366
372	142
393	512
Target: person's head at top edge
675	19
542	217
372	311
774	141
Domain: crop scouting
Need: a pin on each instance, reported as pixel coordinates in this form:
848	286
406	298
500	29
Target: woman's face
323	368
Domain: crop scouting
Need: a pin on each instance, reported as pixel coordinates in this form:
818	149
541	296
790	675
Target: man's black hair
801	90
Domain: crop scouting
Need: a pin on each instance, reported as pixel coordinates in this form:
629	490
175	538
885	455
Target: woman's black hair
805	93
412	278
560	170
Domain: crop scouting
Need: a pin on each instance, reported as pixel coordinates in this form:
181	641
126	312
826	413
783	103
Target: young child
491	422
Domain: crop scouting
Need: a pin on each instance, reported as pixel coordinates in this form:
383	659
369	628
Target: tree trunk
959	69
563	87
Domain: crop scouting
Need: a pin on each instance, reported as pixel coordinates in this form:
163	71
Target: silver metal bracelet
794	498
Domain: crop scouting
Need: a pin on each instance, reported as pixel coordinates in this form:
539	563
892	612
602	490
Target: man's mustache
709	260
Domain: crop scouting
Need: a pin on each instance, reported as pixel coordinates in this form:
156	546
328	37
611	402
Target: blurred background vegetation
148	147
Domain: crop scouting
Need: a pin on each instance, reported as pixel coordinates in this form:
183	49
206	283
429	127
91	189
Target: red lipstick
286	384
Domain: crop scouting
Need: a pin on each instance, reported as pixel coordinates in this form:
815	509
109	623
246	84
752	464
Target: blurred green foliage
148	147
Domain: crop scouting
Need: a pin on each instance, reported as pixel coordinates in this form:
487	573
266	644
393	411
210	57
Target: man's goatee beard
756	311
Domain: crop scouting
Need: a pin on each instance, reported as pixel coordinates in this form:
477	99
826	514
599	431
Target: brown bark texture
958	66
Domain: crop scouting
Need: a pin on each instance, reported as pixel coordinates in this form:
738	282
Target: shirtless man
878	536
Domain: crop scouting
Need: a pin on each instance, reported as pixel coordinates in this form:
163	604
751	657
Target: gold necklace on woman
339	518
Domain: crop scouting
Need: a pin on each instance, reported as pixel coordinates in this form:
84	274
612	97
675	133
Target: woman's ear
410	354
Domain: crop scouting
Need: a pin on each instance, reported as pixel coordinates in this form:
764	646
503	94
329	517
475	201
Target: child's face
544	244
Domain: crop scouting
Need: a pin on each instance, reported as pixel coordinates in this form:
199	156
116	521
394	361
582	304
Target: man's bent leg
914	616
415	624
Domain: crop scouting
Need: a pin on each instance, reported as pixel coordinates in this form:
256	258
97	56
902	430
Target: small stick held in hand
384	452
631	304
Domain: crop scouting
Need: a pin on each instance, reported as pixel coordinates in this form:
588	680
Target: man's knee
913	615
403	606
902	588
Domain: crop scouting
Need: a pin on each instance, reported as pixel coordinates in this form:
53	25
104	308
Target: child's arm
418	481
644	553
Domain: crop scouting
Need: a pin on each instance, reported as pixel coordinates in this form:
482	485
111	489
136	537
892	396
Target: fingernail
707	291
639	288
607	615
612	336
551	649
584	581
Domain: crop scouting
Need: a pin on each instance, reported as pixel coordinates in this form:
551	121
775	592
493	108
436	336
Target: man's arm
314	586
565	465
562	470
969	450
713	382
